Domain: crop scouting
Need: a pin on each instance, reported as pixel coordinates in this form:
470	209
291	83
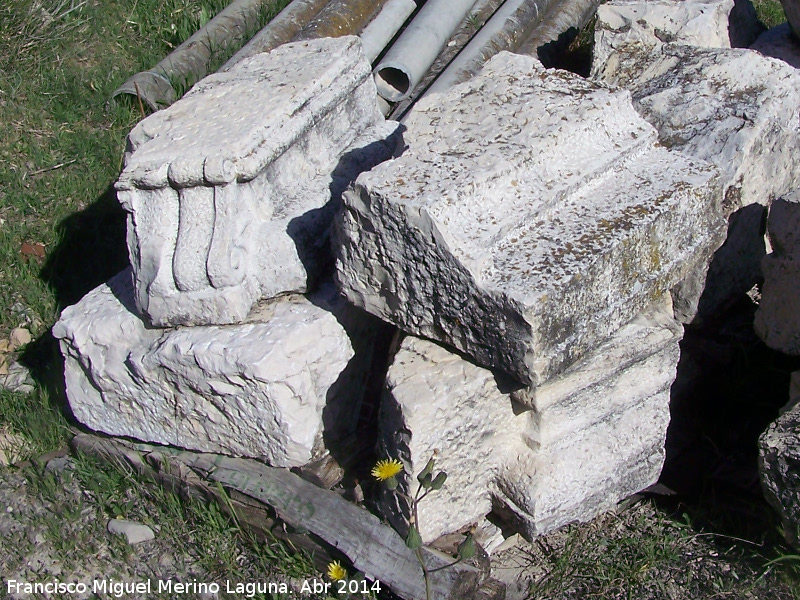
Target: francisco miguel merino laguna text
119	589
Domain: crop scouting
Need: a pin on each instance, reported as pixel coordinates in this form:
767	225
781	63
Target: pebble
135	532
19	337
17	378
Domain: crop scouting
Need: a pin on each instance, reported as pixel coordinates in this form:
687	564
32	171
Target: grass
770	12
651	552
61	148
202	541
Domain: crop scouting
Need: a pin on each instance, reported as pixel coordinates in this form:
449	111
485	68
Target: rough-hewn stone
231	189
526	247
777	319
734	108
255	389
647	24
779	461
546	456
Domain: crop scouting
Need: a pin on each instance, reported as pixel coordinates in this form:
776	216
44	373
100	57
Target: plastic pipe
383	27
506	30
417	48
280	30
190	61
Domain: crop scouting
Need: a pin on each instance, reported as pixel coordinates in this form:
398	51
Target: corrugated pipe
279	30
190	61
510	25
340	17
407	61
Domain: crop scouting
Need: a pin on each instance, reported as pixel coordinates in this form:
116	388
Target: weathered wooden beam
371	546
252	515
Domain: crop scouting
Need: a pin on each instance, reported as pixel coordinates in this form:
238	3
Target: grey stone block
526	246
231	190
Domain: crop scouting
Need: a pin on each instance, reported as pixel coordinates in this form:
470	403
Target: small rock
15	377
135	532
19	337
12	447
60	464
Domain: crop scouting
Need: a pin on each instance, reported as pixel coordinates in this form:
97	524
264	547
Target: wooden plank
252	515
371	546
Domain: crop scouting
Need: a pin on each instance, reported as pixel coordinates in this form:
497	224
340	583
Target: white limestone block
256	389
777	320
564	451
738	110
230	191
647	24
734	108
437	404
530	216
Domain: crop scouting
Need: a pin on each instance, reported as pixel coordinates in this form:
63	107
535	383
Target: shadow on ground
92	249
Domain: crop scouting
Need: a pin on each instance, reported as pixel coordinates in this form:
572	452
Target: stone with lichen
541	456
231	190
528	247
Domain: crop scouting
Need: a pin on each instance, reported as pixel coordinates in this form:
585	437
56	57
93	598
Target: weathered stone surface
524	249
647	24
779	42
438	402
777	319
779	463
231	189
734	108
256	389
565	450
792	10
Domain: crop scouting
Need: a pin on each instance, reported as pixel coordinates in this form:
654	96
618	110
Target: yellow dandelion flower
386	469
336	571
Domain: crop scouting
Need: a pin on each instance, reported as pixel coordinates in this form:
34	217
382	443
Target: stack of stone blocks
538	239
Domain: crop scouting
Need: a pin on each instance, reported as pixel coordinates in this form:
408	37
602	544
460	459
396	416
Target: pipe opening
393	83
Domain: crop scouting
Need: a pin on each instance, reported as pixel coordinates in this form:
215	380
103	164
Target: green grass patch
770	12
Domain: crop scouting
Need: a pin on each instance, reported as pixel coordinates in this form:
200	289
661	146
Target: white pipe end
393	83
